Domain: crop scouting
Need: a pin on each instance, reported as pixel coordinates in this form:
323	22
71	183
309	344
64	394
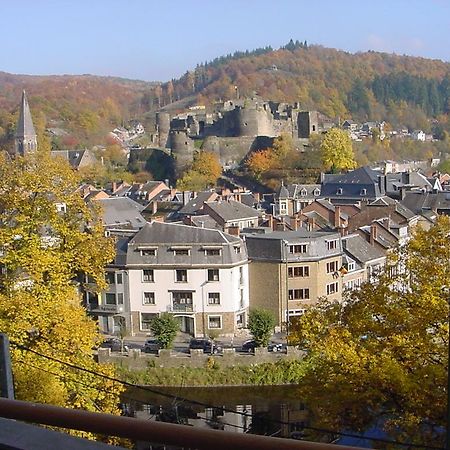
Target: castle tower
25	139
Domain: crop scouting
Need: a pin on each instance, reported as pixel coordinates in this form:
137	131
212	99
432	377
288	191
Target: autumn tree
260	162
48	237
382	354
204	172
336	151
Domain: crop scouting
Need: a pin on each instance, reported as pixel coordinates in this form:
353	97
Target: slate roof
25	123
360	250
352	184
121	211
170	233
420	201
73	157
205	221
232	210
196	204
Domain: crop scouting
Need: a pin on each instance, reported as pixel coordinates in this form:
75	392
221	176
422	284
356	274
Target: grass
280	372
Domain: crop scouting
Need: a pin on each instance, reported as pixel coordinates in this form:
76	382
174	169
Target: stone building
291	270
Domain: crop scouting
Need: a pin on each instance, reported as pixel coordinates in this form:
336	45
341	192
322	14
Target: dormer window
213	251
181	251
303	192
363	191
148	251
316	192
339	191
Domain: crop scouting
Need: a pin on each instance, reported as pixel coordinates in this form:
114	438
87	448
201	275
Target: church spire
25	136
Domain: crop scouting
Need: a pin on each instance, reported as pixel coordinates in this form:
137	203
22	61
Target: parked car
207	345
115	344
151	346
250	345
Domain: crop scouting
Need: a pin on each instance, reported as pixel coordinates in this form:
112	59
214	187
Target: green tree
261	324
384	351
337	151
43	250
165	328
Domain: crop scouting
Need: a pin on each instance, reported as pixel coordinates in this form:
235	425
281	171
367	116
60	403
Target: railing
102	308
180	307
153	432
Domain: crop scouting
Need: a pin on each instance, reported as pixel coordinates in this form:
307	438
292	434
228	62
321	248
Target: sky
156	40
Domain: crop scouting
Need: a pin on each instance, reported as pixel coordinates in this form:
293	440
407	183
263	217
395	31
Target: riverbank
280	372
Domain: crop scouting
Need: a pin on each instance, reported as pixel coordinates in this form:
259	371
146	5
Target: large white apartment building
198	275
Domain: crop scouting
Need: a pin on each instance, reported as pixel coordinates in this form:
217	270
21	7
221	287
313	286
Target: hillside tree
337	151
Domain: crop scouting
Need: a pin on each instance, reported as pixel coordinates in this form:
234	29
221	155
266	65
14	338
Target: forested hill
369	85
85	106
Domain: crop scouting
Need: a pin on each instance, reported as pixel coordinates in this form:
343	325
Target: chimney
257	197
154	207
233	230
337	217
113	187
311	224
294	223
373	233
270	217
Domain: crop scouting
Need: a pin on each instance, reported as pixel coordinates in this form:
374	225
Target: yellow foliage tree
204	172
43	249
336	151
260	162
383	353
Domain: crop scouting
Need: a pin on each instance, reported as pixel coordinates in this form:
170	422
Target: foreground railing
153	432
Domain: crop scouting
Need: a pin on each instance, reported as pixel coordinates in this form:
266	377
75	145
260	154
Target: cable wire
205	405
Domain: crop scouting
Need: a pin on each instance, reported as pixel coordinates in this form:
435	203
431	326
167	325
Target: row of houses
208	257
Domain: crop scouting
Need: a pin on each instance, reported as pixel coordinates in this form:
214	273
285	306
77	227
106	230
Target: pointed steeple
25	136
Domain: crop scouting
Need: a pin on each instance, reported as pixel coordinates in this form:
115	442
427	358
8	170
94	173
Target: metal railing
153	432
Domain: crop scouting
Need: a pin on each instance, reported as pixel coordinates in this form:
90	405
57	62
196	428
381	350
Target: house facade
197	274
291	271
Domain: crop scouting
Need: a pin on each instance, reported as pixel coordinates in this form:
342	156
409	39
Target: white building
197	274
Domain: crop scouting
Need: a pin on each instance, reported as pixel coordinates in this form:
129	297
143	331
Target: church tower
25	139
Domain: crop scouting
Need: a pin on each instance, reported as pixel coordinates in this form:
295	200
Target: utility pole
6	378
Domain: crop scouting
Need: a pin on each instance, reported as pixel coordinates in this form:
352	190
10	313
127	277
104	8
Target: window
182	297
214	298
298	248
119	278
241	299
303	192
148	298
351	266
146	320
296	272
148	252
240	320
181	275
110	278
332	267
363	191
212	251
214	322
148	276
237	249
316	192
241	275
299	294
110	299
181	252
332	288
120	298
339	191
296	312
332	245
213	274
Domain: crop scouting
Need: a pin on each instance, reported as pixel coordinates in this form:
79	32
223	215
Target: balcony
96	308
181	307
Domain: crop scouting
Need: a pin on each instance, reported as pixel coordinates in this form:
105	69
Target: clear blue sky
161	39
